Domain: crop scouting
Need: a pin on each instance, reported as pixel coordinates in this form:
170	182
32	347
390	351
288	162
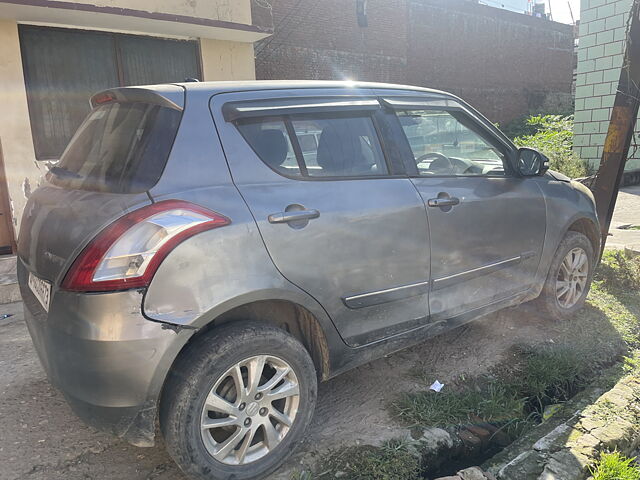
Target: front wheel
238	402
569	279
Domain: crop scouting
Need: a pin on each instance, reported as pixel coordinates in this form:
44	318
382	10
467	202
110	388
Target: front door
487	226
335	219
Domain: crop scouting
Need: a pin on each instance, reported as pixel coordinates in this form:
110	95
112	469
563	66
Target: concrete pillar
223	60
20	165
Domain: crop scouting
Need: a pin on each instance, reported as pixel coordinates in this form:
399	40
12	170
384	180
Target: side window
442	144
269	139
327	146
339	147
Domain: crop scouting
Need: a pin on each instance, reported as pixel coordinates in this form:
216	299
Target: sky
560	10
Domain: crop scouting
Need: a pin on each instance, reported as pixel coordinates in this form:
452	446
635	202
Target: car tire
209	370
554	301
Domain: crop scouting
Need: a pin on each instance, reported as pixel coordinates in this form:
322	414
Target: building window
63	68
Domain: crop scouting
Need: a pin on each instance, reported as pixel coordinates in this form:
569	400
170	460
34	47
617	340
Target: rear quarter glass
121	147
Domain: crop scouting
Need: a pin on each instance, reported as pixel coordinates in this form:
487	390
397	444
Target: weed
392	461
619	272
620	311
304	475
631	363
614	466
553	136
491	402
549	374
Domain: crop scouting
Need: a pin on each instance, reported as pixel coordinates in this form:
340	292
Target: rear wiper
63	172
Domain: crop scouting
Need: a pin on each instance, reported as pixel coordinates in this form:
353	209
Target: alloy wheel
250	410
571	281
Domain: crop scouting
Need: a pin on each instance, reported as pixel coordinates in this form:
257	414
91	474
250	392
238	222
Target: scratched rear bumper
107	359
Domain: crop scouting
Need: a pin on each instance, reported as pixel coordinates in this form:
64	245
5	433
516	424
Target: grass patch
619	272
491	403
392	461
615	466
547	375
512	396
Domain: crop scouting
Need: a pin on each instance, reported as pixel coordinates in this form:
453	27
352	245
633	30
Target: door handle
443	202
286	217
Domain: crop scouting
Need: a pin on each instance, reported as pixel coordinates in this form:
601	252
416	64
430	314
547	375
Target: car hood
557	176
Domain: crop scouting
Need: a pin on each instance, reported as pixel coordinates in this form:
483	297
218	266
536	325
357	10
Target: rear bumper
106	358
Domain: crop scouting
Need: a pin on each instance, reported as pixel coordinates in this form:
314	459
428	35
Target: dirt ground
627	212
41	439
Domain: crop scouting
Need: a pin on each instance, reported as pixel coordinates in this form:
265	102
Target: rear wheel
238	402
569	279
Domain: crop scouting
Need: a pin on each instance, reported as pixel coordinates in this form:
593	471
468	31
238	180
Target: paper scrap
436	386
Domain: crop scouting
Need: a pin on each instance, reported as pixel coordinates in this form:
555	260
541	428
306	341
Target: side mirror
531	162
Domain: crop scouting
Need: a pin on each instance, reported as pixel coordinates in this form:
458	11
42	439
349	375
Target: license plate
41	289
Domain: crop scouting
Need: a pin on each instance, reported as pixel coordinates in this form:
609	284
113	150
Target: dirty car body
433	225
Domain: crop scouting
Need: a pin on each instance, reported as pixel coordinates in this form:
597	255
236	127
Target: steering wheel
440	163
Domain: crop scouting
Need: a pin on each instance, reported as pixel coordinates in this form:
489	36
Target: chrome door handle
286	217
443	202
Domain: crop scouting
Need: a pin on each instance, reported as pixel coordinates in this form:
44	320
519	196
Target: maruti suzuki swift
204	253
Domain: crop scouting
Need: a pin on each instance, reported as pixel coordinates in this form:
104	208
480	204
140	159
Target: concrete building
603	29
54	54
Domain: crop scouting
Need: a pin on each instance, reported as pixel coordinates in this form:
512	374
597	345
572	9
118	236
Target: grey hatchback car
204	253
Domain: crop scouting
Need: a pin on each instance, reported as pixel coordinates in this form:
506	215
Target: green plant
304	475
619	272
518	127
615	466
391	461
492	402
520	389
553	136
550	374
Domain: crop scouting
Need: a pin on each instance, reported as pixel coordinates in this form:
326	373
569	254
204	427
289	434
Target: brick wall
504	63
600	55
321	40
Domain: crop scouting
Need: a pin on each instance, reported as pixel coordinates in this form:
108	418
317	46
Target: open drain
472	446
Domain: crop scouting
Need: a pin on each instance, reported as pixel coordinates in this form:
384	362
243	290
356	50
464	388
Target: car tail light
127	253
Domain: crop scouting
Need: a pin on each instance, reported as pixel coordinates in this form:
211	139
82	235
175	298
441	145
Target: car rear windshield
119	148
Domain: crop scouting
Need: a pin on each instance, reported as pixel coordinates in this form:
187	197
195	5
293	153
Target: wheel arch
287	315
589	229
291	312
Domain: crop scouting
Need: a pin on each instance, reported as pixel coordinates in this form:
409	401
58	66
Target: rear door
337	215
487	225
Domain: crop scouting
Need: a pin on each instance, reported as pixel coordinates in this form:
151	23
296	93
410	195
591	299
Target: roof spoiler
170	96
